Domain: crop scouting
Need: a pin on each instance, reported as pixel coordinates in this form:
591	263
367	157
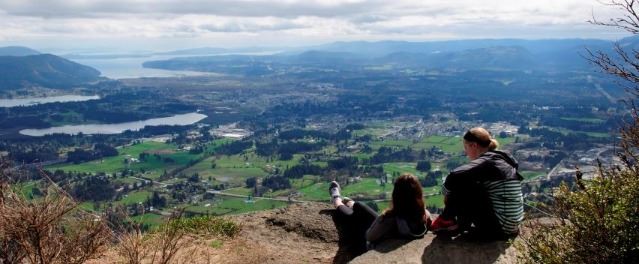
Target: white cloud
281	8
282	22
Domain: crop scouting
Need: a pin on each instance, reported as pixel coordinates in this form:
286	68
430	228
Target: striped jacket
496	172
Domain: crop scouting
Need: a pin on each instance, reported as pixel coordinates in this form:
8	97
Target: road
161	184
601	90
553	170
606	94
257	198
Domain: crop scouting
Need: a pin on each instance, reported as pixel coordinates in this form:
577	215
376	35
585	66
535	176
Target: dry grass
161	247
196	249
52	229
177	241
46	230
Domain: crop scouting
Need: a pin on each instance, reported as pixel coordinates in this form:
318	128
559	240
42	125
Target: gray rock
437	249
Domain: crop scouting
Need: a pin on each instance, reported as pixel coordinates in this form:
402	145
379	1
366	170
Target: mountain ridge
17	51
44	70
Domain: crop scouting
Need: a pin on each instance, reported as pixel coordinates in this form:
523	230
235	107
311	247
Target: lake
44	100
120	68
131	67
176	120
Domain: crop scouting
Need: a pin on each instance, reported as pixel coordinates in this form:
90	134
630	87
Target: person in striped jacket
483	196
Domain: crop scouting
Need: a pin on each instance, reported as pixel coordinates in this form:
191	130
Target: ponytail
493	144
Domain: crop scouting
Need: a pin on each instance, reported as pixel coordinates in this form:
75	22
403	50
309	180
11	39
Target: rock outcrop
436	249
299	233
305	232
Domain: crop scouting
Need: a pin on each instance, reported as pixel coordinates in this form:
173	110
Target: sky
136	25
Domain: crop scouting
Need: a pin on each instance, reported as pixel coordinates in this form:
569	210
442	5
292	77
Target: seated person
360	226
483	196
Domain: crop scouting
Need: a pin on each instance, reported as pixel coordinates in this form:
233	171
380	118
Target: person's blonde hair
482	137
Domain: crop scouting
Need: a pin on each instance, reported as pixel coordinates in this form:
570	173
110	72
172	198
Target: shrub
597	223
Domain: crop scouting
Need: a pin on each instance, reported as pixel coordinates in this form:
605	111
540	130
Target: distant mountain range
382	48
507	54
22	67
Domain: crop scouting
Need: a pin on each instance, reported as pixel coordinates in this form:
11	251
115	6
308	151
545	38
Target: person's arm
382	225
460	177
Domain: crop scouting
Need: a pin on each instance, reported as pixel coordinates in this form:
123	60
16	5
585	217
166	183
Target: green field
374	132
435	200
402	143
448	144
26	188
315	192
117	164
362	156
235	169
239	191
366	186
566	131
135	197
402	167
150	219
153	166
233	206
382	206
584	120
506	141
532	174
87	206
126	180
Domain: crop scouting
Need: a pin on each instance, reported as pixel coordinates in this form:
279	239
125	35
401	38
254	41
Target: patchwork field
233	170
162	157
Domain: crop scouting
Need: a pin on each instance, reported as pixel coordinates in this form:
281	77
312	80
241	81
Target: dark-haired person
359	224
483	196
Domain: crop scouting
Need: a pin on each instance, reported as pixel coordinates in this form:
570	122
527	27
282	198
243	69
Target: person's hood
505	163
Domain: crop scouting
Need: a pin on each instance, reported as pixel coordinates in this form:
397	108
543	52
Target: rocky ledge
436	249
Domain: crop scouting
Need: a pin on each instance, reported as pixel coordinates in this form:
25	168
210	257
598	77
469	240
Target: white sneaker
333	191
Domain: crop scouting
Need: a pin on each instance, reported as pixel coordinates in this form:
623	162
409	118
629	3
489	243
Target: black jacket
493	165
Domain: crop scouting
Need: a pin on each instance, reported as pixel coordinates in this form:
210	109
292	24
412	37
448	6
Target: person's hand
427	219
350	203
